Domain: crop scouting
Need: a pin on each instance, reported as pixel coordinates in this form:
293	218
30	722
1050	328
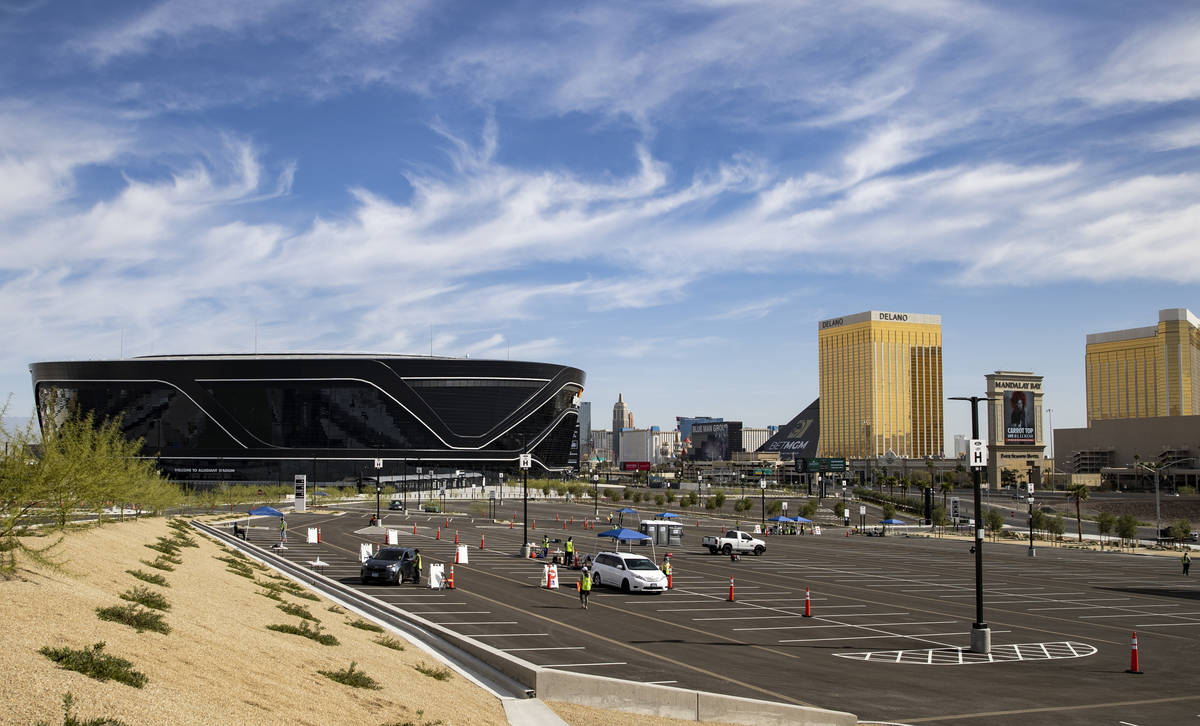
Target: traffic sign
862	511
977	453
785	506
526	461
762	485
379	463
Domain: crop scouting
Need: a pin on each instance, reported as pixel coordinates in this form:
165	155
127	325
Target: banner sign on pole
437	576
312	535
393	537
364	551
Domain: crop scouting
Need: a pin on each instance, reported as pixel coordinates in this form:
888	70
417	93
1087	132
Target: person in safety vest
570	547
545	546
585	587
666	568
283	530
418	564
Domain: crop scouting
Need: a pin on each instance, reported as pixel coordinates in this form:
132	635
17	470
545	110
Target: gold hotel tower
881	385
1143	372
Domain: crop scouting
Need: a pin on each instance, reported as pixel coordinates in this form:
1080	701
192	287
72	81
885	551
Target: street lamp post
595	497
1157	505
981	635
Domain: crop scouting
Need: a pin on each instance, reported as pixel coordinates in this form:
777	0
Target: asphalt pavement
891	617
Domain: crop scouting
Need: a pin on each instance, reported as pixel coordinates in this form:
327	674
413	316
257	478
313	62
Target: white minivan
630	572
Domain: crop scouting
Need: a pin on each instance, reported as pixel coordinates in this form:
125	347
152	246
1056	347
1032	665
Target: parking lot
890	618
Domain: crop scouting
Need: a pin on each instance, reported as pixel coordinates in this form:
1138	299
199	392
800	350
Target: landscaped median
198	636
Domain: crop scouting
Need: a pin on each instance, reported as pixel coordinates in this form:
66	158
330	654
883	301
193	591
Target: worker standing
585	587
283	530
666	568
570	547
1187	562
545	546
419	564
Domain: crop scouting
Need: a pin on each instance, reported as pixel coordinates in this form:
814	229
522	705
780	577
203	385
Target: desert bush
135	617
312	632
436	673
364	625
149	577
352	677
298	610
146	597
94	663
388	641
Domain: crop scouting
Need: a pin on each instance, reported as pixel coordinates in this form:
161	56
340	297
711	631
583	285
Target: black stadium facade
268	417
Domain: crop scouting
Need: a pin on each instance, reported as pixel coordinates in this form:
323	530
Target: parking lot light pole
524	495
1032	550
981	635
595	497
762	488
1157	508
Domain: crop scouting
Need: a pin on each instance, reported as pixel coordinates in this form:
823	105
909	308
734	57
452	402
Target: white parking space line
749	617
852	625
582	665
701	610
919	636
480	622
558	647
1165	625
1136	615
661	683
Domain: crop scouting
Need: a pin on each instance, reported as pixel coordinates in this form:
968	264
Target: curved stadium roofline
257	415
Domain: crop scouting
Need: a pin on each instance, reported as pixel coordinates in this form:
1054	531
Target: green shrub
147	597
352	677
272	594
388	641
69	719
436	673
135	617
364	625
93	663
181	539
158	565
165	546
336	610
659	499
149	577
311	632
297	591
298	610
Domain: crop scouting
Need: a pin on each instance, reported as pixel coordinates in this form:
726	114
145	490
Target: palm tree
1078	493
945	488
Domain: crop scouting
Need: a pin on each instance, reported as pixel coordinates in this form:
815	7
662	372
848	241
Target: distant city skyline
668	196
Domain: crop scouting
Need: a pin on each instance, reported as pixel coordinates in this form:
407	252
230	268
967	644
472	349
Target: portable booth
661	532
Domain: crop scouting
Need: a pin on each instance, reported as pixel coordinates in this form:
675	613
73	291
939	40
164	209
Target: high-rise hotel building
881	385
1144	372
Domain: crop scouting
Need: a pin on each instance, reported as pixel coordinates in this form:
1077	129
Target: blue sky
666	195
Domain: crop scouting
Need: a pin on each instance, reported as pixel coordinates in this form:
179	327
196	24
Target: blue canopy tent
804	520
780	518
624	534
271	512
622	512
893	521
668	515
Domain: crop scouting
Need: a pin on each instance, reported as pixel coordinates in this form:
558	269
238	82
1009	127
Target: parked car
396	505
390	564
430	508
630	572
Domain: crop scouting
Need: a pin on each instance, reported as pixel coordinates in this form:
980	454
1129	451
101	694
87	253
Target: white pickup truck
734	541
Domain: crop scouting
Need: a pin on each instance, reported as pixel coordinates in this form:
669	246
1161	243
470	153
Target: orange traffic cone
510	524
439	533
731	588
564	526
414	528
556	516
447	524
847	533
807	603
450	581
456	536
572	519
482	541
534	523
318	535
1134	667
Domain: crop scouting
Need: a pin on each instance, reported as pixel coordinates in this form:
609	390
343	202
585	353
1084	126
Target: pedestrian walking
545	546
283	530
1187	562
585	587
419	564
